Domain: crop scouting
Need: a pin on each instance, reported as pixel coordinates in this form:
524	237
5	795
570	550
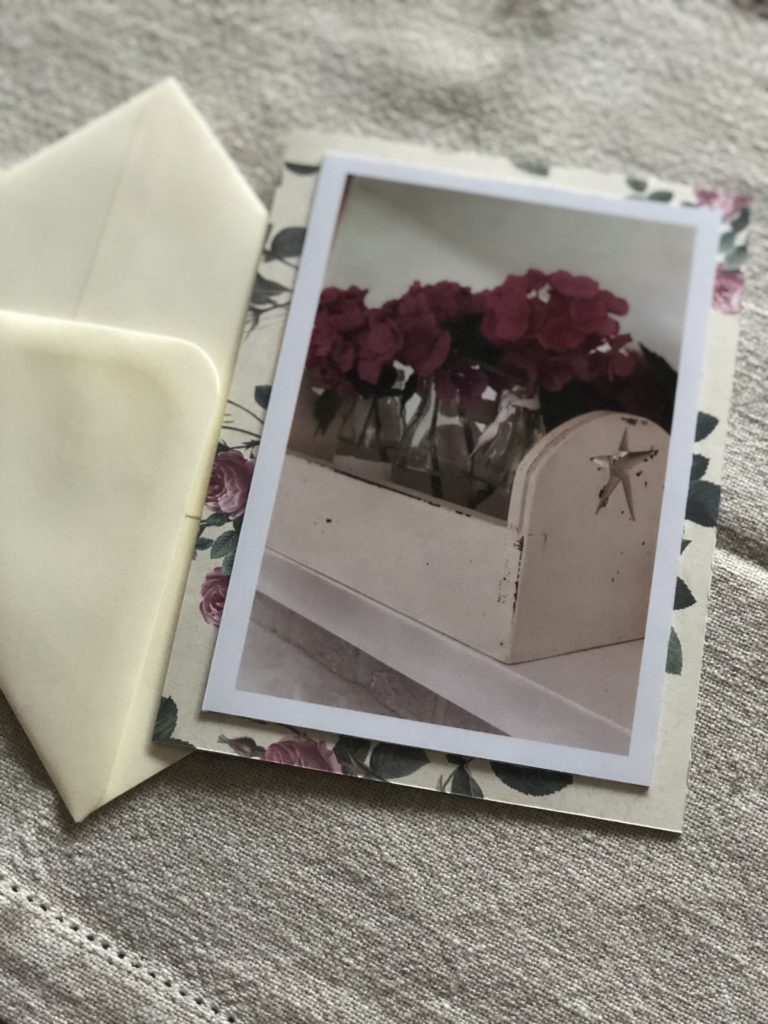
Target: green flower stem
239	430
244	409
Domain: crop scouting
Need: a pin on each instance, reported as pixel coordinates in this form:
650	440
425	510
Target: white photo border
221	694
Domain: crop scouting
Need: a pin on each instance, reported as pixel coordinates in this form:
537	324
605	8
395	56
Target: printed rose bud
213	593
229	483
303	752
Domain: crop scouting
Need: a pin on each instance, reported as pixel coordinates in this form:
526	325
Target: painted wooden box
569	570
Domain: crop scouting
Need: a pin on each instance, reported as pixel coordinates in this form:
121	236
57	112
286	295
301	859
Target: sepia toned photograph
479	396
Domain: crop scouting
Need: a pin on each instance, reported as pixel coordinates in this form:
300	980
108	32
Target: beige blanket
225	890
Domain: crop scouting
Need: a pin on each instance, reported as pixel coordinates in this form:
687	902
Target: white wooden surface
286	655
581	700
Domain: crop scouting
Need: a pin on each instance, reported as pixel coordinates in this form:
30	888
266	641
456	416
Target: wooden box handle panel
588	553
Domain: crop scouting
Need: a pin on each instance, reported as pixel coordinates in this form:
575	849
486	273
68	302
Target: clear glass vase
370	435
464	454
434	456
501	447
451	451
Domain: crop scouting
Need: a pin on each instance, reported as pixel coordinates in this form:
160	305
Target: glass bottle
434	455
501	448
372	429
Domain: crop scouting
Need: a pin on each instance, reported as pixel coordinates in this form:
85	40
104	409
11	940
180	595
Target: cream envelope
128	253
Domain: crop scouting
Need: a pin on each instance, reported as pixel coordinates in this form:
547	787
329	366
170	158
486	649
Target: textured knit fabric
229	890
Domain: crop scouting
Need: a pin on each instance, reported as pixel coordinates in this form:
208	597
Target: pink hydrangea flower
213	594
613	360
728	289
578	304
445	300
229	483
425	347
341	318
378	345
507	311
303	752
420	316
573	286
556	328
543	330
344	308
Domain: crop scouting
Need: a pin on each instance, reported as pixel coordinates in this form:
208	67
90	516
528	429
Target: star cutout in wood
619	466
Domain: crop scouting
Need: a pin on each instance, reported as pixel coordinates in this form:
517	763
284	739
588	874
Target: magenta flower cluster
537	330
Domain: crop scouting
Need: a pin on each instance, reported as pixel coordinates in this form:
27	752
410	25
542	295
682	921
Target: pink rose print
229	484
727	204
213	593
303	752
728	288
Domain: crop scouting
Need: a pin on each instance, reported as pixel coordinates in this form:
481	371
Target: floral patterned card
463	393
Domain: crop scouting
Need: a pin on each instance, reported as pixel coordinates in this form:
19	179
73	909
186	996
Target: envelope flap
139	220
103	436
179	193
53	210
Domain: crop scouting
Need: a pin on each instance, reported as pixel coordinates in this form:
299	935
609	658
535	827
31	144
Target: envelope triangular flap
137	220
53	209
180	194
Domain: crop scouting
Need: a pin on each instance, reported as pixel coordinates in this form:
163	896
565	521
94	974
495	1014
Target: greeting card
459	525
